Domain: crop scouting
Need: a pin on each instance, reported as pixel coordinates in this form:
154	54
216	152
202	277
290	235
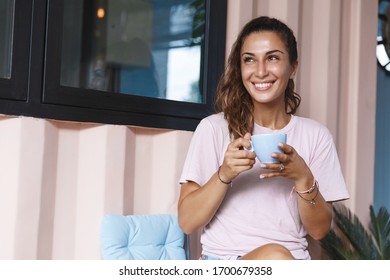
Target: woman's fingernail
273	155
263	165
261	176
280	144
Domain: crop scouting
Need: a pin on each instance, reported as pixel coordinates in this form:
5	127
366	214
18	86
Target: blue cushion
142	237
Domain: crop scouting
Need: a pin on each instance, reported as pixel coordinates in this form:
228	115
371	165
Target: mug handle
251	149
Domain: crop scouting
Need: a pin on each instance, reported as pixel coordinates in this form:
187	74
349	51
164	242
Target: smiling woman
252	209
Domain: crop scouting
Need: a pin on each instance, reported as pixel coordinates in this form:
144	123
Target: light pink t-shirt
256	212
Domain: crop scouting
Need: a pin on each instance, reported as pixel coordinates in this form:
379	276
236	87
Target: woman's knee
269	252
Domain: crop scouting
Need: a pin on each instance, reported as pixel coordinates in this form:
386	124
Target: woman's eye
248	59
273	57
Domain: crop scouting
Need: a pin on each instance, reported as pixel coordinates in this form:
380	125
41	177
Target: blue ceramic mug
266	144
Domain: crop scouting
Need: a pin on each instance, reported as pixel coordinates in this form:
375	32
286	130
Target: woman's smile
263	86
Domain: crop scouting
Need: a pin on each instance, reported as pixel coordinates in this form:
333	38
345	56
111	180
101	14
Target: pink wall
58	179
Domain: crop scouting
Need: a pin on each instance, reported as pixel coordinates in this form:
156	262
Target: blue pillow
142	237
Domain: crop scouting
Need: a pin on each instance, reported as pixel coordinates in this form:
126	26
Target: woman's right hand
237	159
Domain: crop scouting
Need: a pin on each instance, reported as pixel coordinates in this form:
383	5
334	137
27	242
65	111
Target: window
6	31
14	50
139	47
133	62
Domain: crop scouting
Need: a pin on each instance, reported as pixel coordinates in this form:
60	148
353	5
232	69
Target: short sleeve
206	151
326	168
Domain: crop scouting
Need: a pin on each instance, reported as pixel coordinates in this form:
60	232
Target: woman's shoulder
216	118
308	126
216	121
310	123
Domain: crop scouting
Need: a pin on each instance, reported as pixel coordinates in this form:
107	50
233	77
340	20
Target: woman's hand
237	159
291	166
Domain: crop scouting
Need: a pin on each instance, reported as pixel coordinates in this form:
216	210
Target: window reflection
6	35
149	48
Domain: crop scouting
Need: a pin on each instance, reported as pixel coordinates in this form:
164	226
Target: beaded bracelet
310	190
222	181
312	200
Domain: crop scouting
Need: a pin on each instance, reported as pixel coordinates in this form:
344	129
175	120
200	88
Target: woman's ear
294	70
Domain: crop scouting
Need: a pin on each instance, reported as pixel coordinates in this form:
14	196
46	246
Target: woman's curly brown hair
232	97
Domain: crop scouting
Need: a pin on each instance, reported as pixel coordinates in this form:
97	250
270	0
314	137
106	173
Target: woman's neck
271	118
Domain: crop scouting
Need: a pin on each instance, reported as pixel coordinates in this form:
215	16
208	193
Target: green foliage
350	240
198	24
380	229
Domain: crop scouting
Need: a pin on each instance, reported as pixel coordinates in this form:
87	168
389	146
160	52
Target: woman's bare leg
269	252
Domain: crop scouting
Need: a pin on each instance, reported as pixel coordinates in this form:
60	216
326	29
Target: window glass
6	32
150	48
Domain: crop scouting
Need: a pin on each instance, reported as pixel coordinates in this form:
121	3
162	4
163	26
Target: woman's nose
261	70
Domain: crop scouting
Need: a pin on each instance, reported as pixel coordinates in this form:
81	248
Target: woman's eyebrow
274	51
267	53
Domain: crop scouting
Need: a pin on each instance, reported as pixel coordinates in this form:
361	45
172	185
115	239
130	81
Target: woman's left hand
291	165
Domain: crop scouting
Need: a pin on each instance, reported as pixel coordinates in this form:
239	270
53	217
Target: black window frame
44	97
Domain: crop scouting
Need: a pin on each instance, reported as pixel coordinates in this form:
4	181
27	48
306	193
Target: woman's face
265	67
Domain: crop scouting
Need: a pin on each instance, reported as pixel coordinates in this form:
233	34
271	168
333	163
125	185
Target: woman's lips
263	86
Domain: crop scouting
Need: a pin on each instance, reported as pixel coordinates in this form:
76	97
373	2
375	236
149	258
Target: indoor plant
350	240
